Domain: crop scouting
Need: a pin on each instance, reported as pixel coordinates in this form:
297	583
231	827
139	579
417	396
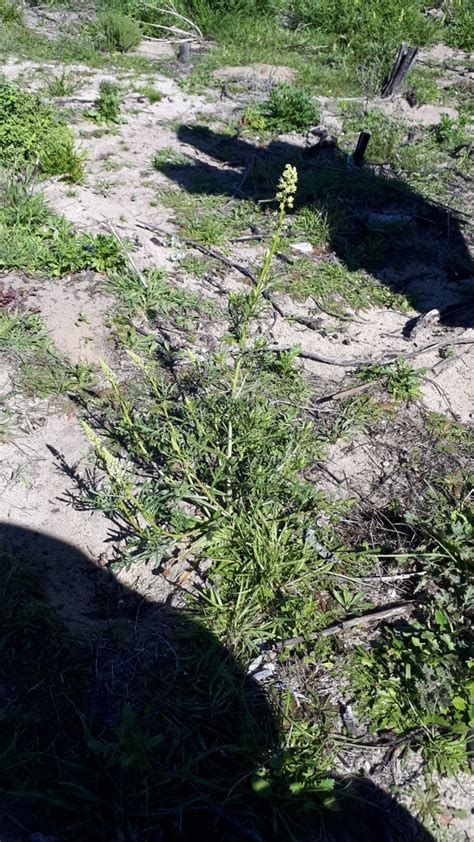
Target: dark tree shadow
125	720
376	223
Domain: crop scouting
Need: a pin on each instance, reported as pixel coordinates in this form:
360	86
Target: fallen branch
398	610
387	360
306	321
172	11
374	580
347	393
303	320
175	30
204	249
128	256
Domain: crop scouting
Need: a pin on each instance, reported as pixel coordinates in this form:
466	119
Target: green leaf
261	786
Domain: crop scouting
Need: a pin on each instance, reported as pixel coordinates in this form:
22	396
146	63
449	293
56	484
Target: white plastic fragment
302	248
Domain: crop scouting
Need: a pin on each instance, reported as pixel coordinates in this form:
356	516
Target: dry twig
398	610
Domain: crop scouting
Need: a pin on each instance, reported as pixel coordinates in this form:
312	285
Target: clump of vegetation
460	24
116	32
151	93
168	157
107	105
401	380
65	84
31	132
210	220
21	331
226	486
35	239
287	109
41	370
451	134
334	286
11	11
159	297
418	678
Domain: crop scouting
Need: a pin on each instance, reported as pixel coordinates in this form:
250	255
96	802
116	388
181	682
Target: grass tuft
115	32
32	133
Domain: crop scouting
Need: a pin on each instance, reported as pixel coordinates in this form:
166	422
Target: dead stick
204	249
405	58
359	152
392	358
232	264
373	580
397	610
128	256
347	393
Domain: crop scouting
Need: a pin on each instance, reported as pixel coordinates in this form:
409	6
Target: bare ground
122	188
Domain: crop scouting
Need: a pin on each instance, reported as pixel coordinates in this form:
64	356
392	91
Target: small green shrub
31	132
63	85
169	157
34	239
401	380
287	109
107	104
116	32
10	11
418	679
290	109
460	24
151	93
451	134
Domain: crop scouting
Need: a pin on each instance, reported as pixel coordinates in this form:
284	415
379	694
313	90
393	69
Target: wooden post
359	152
403	63
184	53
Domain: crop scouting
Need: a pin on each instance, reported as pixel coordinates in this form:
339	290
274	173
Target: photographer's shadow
375	223
130	721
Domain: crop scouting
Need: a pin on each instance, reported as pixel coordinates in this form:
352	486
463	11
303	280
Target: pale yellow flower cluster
287	187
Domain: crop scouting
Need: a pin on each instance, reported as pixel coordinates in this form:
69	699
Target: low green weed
113	31
152	94
107	105
287	109
401	380
11	12
336	288
158	297
418	678
451	134
450	436
355	414
48	374
423	84
63	85
20	331
41	370
198	267
32	133
167	156
35	239
210	219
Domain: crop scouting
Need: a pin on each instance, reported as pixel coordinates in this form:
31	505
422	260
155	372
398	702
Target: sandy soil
122	188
